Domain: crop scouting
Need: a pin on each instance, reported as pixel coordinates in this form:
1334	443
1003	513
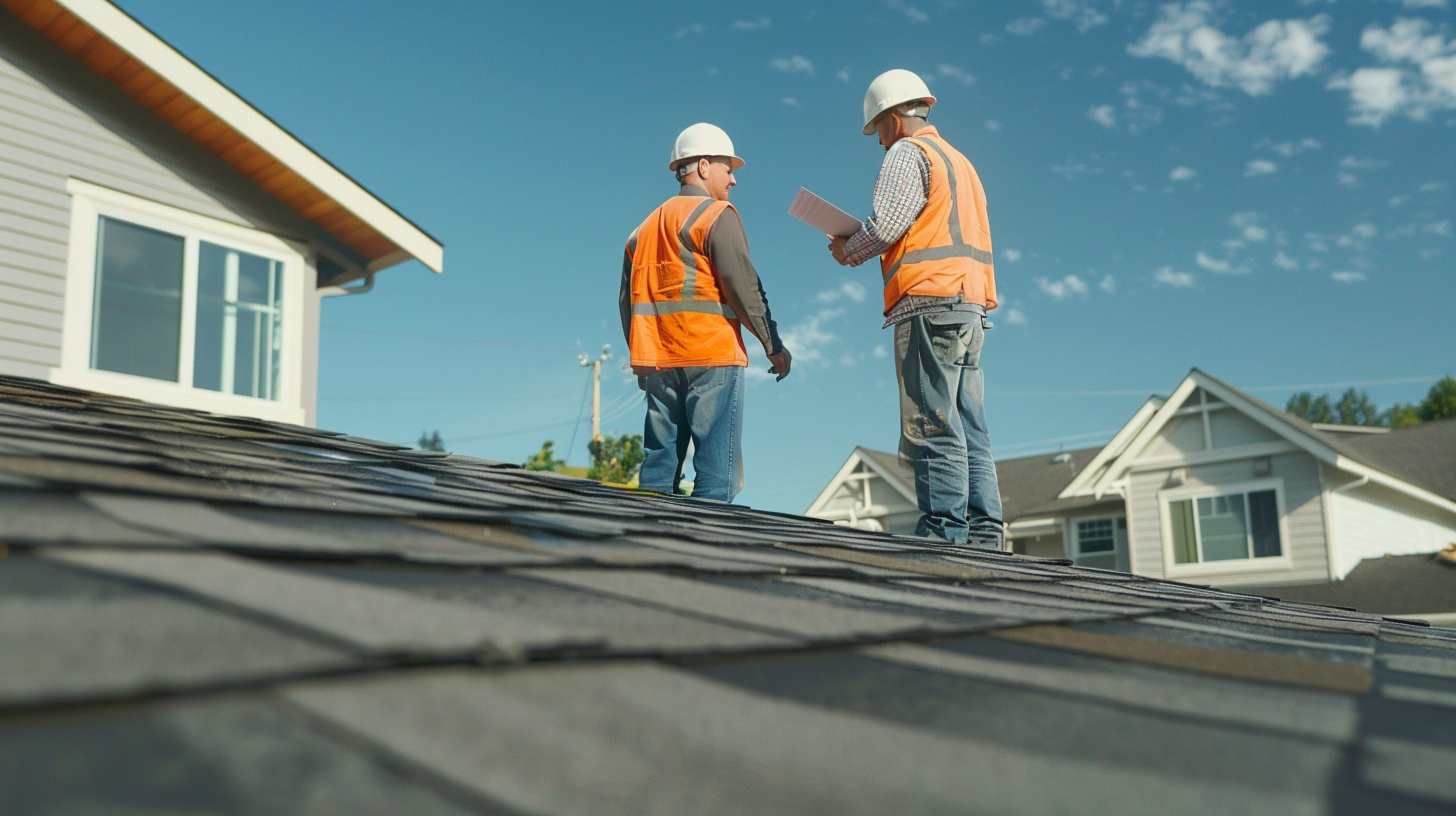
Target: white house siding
1372	521
60	121
1303	521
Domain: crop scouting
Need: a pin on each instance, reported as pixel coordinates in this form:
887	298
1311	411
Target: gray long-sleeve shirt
727	251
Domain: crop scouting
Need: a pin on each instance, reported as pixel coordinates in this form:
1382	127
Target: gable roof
121	50
222	614
1389	585
1423	454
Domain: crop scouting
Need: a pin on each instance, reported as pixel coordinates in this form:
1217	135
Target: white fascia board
133	38
1145	434
892	480
1079	486
1381	478
839	479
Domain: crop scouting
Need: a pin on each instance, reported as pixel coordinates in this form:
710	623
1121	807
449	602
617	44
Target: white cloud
1273	51
1025	26
1442	228
1352	163
1260	167
1213	264
1417	78
911	13
1365	231
880	353
792	65
989	39
791	102
1285	262
1347	179
1431	187
1079	11
752	25
1073	168
1108	284
1064	288
958	74
1181	173
1166	275
1411	4
809	339
1348	276
1248	225
993	125
843	75
1011	255
695	28
1103	115
1015	316
1288	149
849	289
1396	201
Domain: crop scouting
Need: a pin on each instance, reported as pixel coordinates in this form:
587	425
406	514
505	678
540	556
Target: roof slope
1423	454
1390	585
1029	485
118	48
211	614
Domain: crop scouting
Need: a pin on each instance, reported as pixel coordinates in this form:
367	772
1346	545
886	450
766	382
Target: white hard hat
702	141
893	87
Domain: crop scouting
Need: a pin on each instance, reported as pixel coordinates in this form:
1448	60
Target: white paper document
823	216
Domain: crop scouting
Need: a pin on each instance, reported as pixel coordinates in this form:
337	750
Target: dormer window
174	307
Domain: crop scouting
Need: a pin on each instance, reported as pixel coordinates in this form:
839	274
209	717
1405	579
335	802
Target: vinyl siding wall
60	121
1304	522
1372	521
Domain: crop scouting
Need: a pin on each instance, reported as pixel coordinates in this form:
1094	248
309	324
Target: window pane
137	323
1094	536
239	322
1185	540
1264	523
1222	528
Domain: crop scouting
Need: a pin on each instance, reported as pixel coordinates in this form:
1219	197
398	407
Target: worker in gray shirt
931	232
687	288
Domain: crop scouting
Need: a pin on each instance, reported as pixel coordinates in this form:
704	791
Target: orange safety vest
947	251
679	317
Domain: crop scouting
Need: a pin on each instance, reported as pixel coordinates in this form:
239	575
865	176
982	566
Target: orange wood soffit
199	124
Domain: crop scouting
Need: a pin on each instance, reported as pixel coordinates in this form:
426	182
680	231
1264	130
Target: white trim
1443	619
1034	527
838	479
144	46
1113	449
1172	569
1210	457
89	202
1327	508
1395	484
1074	544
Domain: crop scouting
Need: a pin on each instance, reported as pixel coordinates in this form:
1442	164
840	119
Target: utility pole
596	367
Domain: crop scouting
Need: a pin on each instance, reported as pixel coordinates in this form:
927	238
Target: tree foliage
1440	402
1310	408
544	459
616	460
1356	408
431	441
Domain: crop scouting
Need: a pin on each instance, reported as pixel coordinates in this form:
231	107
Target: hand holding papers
823	216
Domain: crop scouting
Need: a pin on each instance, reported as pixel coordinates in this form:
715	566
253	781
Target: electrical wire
577	427
441	338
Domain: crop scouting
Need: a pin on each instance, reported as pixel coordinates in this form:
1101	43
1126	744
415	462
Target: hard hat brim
733	162
869	128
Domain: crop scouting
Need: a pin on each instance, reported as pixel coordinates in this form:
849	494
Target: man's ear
703	169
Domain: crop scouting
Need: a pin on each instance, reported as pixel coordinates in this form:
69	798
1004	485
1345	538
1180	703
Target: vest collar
692	191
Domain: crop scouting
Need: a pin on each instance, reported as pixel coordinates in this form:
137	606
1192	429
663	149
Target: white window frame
90	203
1076	535
1283	561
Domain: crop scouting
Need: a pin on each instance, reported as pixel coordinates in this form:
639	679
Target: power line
441	338
1265	388
493	434
577	427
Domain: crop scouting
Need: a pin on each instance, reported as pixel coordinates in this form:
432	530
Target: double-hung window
1235	526
1101	542
177	308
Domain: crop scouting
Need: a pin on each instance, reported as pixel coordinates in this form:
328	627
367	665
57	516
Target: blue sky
1261	190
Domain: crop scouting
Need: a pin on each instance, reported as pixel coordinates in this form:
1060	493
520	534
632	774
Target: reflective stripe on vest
680	321
970	279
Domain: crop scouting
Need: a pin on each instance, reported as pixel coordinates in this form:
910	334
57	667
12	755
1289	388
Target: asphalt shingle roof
211	614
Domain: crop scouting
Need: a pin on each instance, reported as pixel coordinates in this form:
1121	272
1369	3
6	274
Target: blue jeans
703	405
943	427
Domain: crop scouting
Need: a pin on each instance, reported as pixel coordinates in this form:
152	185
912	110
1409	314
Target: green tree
1310	408
616	460
431	441
1355	408
1400	415
544	459
1440	402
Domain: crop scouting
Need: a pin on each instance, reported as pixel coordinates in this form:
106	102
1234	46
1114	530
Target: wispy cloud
1213	264
1274	50
695	28
810	339
792	65
1289	149
1072	168
843	75
1181	173
791	102
1079	11
1352	163
1260	167
913	14
960	75
752	25
1011	255
1108	284
1015	316
993	125
1104	115
1247	223
1062	289
1348	276
1285	262
849	289
1416	77
1169	277
1025	26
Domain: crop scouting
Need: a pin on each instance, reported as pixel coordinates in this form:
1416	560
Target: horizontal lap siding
1304	521
46	139
1372	521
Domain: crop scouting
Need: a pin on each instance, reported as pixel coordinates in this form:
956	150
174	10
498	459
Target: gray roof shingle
207	614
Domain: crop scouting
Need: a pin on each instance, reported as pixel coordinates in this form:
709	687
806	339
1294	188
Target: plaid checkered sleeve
900	194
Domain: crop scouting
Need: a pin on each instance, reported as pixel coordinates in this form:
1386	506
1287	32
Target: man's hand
836	248
781	364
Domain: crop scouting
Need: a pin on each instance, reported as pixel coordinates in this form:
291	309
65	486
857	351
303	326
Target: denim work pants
943	427
703	405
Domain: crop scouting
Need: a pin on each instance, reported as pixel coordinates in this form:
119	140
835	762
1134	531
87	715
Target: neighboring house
1209	485
159	237
207	614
